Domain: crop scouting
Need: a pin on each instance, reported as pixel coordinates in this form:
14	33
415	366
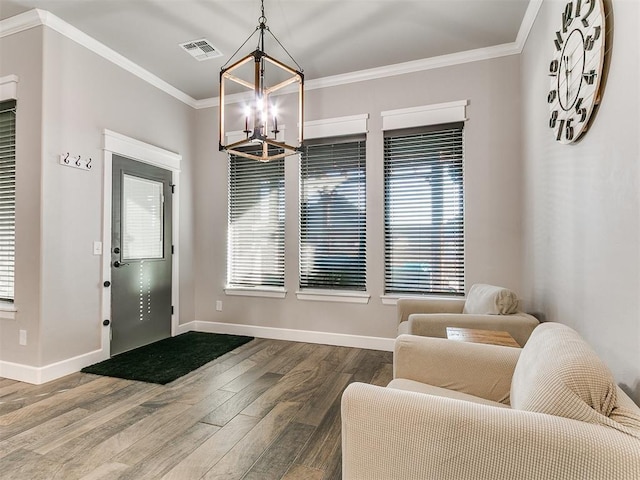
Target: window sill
333	296
7	311
392	299
266	292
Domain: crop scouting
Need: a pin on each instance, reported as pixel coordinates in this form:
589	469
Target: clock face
576	68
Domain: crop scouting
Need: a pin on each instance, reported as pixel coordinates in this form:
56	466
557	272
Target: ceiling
325	37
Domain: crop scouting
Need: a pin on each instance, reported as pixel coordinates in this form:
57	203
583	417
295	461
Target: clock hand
566	76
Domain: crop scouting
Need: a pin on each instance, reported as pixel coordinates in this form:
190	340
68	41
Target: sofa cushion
559	374
413	386
490	300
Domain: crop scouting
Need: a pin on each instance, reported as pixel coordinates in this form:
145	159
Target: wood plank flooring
268	410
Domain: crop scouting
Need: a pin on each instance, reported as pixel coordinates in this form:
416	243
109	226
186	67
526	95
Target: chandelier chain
262	26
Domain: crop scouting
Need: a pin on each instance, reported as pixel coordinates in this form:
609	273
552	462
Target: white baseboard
39	375
185	327
308	336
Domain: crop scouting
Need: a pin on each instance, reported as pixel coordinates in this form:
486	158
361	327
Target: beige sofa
486	307
455	410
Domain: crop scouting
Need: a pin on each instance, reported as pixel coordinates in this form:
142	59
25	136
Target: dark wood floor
268	410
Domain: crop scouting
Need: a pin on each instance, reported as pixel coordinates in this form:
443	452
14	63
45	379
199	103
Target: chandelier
254	118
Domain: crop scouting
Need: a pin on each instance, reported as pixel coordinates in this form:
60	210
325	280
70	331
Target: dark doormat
164	361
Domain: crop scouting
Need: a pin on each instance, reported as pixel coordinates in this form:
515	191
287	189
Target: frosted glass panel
142	218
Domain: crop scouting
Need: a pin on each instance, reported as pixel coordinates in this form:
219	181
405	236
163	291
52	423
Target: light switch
97	248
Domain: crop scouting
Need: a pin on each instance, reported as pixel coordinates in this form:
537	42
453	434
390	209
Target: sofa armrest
407	306
391	434
481	370
519	325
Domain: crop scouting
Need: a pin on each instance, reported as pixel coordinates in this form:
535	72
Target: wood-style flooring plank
95	420
232	407
123	439
105	471
300	472
268	410
163	459
203	458
264	365
316	409
298	384
277	459
322	450
171	430
29	437
243	455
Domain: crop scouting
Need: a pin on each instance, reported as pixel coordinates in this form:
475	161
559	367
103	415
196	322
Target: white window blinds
7	198
424	210
256	223
333	214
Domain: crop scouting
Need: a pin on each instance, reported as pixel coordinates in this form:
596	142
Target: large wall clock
576	68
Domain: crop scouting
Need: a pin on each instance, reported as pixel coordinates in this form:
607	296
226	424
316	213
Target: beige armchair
486	307
461	411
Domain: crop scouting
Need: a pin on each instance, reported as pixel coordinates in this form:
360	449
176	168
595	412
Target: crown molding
527	23
37	17
21	22
390	70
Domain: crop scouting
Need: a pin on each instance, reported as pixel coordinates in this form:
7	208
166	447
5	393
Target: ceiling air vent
201	49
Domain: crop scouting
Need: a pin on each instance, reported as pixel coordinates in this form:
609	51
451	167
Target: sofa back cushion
485	299
559	374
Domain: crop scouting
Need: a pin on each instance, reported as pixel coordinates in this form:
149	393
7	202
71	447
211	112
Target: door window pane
142	218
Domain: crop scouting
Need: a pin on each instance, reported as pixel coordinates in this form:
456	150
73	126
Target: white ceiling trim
527	23
390	70
37	17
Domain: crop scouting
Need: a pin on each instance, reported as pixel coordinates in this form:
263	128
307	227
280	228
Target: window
142	218
256	223
7	198
333	214
424	210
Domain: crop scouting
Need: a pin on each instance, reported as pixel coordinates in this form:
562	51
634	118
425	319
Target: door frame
118	144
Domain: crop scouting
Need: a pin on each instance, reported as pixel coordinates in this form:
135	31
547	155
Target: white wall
492	182
80	94
581	203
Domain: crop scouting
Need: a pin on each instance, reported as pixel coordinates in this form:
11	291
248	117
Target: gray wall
581	242
79	94
21	55
492	182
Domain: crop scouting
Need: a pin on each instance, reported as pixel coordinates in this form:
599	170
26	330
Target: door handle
117	264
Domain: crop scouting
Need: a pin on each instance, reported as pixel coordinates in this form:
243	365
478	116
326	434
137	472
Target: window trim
8	92
314	132
264	290
425	115
418	288
317	292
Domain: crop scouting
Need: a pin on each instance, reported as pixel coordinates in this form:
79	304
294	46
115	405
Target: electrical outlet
219	305
23	337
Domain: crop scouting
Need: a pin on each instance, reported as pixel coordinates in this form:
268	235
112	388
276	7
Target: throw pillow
490	300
